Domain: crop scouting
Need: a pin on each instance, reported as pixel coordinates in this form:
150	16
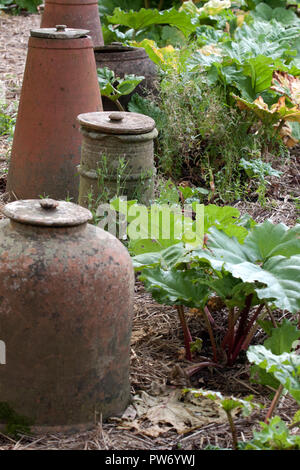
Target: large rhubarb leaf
269	258
148	17
269	239
167	258
282	15
224	218
173	287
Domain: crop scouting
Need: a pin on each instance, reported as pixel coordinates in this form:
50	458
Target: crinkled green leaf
147	17
173	287
264	38
259	69
285	367
274	436
270	256
208	35
141	105
267	239
282	276
296	417
227	403
282	15
129	84
167	258
224	218
257	168
203	61
282	338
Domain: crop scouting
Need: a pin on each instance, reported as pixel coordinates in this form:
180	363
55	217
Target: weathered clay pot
124	60
65	316
82	14
112	141
60	81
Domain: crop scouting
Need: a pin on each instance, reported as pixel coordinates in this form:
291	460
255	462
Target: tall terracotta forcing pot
66	292
60	82
82	14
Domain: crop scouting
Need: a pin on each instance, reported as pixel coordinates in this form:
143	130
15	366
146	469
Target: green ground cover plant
221	96
19	5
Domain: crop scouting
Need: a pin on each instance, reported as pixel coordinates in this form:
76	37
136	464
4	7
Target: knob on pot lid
59	32
47	212
115	122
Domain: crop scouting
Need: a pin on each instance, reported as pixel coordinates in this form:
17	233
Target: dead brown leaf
171	411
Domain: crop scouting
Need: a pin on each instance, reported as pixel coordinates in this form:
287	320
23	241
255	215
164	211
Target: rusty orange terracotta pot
82	14
60	82
66	294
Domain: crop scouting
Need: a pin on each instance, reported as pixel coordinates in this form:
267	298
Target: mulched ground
157	344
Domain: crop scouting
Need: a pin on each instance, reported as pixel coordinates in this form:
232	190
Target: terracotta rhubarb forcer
117	157
82	14
60	81
66	291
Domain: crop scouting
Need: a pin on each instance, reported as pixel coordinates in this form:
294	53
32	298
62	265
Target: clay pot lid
115	122
47	212
59	32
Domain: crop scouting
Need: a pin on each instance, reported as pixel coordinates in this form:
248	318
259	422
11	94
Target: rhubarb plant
249	276
161	256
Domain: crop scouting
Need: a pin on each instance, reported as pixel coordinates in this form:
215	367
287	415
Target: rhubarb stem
186	332
251	329
274	403
206	315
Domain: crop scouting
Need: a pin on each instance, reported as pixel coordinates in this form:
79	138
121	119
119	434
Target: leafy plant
139	104
15	424
114	87
7	124
29	5
107	6
229	405
144	18
259	170
274	436
284	366
247	276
